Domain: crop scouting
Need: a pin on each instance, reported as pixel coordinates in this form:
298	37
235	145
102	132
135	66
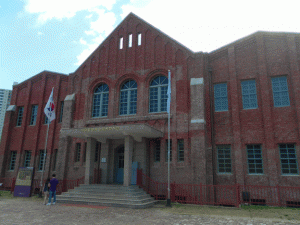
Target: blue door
135	166
120	166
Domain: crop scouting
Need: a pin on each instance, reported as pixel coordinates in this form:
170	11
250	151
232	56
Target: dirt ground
32	211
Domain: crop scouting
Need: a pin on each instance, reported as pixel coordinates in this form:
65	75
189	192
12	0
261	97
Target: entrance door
120	166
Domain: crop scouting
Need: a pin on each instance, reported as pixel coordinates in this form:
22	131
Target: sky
58	35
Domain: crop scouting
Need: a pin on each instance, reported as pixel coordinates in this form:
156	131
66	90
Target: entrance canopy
137	131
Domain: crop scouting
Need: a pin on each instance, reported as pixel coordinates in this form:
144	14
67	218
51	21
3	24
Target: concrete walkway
32	211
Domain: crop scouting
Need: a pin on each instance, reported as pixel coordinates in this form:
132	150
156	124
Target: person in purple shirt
52	184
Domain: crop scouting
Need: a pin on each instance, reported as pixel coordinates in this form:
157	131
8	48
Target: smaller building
5	96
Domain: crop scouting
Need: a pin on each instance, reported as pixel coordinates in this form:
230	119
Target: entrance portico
106	135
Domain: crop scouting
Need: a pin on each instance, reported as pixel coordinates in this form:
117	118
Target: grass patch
6	195
260	212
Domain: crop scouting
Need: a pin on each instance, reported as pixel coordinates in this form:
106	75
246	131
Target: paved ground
24	211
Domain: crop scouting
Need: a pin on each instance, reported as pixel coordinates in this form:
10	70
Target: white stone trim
11	108
198	121
70	97
196	81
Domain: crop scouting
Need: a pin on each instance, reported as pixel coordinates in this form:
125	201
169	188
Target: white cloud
60	9
207	25
100	28
40	33
90	48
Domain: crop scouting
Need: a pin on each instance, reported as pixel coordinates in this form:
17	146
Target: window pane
249	94
224	159
128	98
220	94
288	159
255	163
158	94
100	101
180	150
280	92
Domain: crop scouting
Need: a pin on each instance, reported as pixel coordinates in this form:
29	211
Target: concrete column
105	152
140	155
127	160
89	164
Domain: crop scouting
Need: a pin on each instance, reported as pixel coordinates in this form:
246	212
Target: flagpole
44	159
169	105
49	113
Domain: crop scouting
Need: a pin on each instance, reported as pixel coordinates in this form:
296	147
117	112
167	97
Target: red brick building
234	112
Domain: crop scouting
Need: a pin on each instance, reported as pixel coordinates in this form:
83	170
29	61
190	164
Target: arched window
128	98
158	94
100	101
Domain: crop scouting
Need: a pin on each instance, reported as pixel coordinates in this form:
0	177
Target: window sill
127	118
224	174
290	175
256	174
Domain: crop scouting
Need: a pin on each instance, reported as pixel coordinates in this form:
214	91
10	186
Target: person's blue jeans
52	193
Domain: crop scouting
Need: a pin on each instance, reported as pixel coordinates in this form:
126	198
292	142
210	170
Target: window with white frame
34	111
139	39
288	159
180	150
157	151
121	43
166	157
224	158
20	116
41	160
27	158
280	92
255	162
13	158
221	100
249	94
128	98
77	153
100	101
158	94
129	40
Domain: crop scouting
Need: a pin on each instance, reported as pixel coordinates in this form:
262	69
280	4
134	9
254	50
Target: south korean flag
49	108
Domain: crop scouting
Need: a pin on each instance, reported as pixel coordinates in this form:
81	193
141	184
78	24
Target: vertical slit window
100	101
20	116
129	40
249	94
288	159
157	151
97	151
139	39
180	150
167	150
77	154
27	158
224	159
280	92
255	163
34	110
221	100
61	111
121	43
13	158
128	98
42	160
158	94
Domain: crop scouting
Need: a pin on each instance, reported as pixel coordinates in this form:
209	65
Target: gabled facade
229	121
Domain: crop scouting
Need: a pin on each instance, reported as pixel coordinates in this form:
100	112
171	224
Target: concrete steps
107	195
